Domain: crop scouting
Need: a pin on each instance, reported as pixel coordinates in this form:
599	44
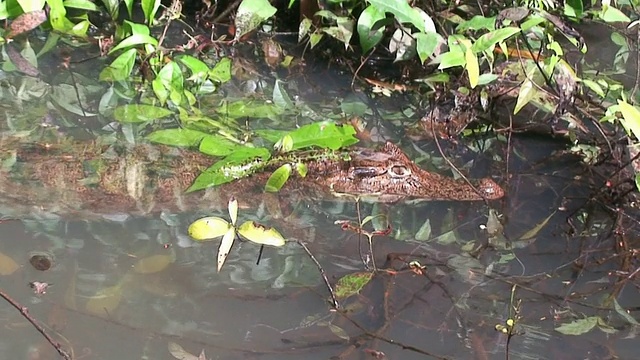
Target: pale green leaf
278	178
208	228
260	234
578	327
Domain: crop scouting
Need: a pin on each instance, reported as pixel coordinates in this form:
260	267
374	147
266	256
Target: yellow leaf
208	228
473	68
260	234
105	301
7	265
153	264
631	116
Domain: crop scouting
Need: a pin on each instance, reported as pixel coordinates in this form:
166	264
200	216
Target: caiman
81	179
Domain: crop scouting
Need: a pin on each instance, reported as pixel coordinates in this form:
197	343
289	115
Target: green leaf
81	4
198	68
369	36
301	169
137	113
426	44
208	228
285	144
134	40
323	134
401	9
235	166
250	14
631	116
488	40
278	178
476	23
281	97
261	234
624	314
250	108
150	8
611	14
225	246
578	327
573	8
342	32
177	137
34	5
352	284
221	72
451	59
215	145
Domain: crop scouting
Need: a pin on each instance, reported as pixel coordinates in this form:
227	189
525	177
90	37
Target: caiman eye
399	171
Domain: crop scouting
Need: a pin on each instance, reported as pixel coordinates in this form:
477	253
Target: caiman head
388	175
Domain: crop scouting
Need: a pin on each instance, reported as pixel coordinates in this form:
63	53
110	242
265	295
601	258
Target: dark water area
104	304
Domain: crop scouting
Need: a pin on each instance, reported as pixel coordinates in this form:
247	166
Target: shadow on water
127	289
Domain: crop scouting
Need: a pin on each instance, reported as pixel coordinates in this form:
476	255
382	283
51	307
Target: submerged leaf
180	353
208	228
352	284
7	265
225	246
260	234
105	301
136	113
153	264
578	327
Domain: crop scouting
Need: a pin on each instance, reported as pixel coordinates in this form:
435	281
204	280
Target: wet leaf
233	210
323	134
339	332
250	14
225	246
181	354
105	301
278	178
261	234
352	284
208	228
624	314
536	229
7	265
578	327
424	233
137	113
26	22
153	264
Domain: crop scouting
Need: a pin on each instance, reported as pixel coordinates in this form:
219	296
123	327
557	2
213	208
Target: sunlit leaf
631	116
352	284
7	265
120	69
237	165
208	228
494	37
250	14
403	12
278	178
473	68
452	59
578	327
221	72
150	8
611	14
260	234
370	36
225	246
136	113
105	301
426	44
134	40
153	264
81	4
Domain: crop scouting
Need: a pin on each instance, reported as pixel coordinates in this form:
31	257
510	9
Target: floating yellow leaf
7	265
153	264
208	228
260	234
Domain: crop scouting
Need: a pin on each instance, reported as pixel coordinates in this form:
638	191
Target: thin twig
25	313
323	274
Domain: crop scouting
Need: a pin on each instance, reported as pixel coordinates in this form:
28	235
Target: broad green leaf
452	59
281	97
225	246
478	22
426	44
278	178
352	284
284	145
594	86
251	109
370	36
150	8
177	137
221	72
215	145
611	14
323	134
134	40
487	79
578	327
490	39
631	116
401	9
473	68
208	228
250	14
198	68
7	265
81	4
233	210
573	8
236	165
136	29
120	69
260	234
153	264
137	113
